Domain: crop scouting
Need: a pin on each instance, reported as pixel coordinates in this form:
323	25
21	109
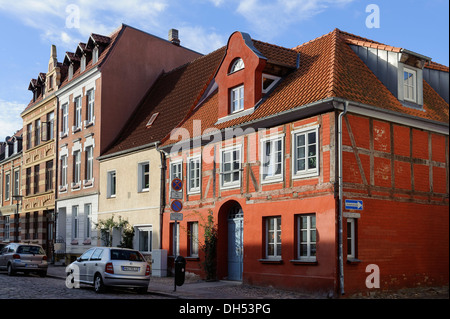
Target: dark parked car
26	258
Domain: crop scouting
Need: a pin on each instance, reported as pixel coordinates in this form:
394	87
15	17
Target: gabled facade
328	171
107	77
39	158
10	187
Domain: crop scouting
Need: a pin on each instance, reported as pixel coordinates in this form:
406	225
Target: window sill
269	180
271	261
304	262
353	261
193	258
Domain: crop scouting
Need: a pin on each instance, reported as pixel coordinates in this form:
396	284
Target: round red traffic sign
176	206
177	184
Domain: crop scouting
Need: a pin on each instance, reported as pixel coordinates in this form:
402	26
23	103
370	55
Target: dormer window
268	82
409	84
237	65
237	99
95	55
83	63
70	71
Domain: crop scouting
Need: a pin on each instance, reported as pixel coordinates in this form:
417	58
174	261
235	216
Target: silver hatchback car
110	267
26	258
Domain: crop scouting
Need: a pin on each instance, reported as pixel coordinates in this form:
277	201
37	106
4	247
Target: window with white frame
230	167
143	177
7	186
273	237
144	236
95	55
6	229
306	247
193	239
176	170
83	63
29	134
88	219
194	173
305	153
16	182
237	99
111	184
50	125
75	223
76	167
272	159
37	132
90	106
175	245
77	118
65	119
89	163
351	238
238	64
409	85
63	170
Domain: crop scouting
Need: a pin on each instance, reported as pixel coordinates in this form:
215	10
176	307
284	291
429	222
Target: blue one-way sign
354	204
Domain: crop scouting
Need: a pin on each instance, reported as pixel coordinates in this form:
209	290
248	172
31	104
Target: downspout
341	253
162	203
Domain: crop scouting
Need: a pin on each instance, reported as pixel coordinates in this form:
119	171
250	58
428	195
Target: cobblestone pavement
32	286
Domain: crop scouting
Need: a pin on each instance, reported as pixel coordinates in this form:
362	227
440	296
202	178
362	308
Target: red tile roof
328	68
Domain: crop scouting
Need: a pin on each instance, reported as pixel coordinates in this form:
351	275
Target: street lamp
17	198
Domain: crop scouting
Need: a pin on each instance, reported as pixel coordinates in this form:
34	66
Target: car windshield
130	255
35	250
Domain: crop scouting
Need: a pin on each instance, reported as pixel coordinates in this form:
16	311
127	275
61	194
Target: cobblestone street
32	286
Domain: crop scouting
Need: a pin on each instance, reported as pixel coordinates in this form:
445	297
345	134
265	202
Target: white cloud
200	39
10	120
273	17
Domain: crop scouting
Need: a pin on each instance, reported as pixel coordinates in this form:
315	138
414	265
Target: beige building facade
130	188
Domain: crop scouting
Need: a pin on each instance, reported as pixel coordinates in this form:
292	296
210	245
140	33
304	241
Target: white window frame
16	174
351	238
75	222
78	113
272	160
77	166
232	183
88	220
90	106
237	99
63	171
65	119
193	239
7	229
273	234
309	242
89	162
176	173
109	184
407	86
307	172
196	189
149	230
7	186
272	77
141	177
237	65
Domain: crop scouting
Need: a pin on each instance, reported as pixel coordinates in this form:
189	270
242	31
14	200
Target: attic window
268	82
409	85
95	55
152	119
237	65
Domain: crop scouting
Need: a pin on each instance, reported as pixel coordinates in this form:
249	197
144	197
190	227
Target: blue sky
28	28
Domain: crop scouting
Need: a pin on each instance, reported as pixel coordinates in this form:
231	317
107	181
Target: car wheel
11	271
99	287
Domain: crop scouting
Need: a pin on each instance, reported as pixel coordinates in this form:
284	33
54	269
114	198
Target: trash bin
180	267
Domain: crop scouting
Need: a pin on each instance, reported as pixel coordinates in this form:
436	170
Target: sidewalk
195	288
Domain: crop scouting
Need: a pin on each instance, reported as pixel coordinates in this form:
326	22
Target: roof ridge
333	73
273	45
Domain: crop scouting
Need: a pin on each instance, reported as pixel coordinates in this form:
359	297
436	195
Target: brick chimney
173	36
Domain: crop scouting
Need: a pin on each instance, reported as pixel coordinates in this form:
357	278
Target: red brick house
260	151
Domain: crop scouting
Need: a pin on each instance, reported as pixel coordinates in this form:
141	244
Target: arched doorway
235	242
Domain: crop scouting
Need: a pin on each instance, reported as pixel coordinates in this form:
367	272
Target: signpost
176	206
354	204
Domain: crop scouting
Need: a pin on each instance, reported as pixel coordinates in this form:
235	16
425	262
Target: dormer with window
249	70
